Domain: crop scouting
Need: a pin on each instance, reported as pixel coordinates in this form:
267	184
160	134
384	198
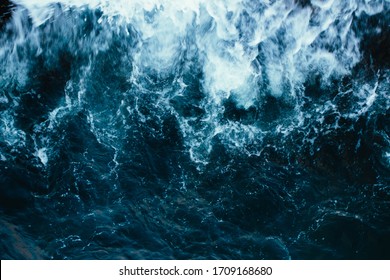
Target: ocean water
171	129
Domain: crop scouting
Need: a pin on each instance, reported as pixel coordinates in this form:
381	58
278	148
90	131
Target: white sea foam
244	51
236	29
42	155
11	135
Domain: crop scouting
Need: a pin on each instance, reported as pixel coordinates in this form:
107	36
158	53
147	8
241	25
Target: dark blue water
229	130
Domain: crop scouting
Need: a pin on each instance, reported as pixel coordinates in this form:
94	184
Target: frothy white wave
293	40
244	50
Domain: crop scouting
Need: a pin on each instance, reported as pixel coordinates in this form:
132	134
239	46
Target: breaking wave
195	129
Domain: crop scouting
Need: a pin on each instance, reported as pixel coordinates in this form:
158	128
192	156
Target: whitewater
156	129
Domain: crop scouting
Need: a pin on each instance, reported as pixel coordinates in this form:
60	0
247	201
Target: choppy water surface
171	129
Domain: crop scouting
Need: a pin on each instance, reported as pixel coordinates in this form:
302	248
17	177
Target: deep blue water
228	130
